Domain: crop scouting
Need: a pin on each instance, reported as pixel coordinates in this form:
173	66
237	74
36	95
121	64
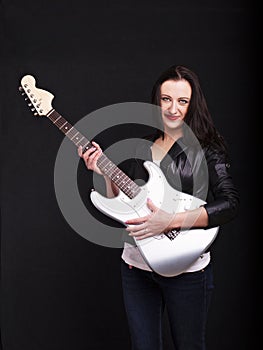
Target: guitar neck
118	177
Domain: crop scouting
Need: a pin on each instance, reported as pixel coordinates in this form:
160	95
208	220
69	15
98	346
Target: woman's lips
171	117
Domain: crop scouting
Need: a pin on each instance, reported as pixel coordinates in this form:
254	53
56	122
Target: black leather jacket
201	173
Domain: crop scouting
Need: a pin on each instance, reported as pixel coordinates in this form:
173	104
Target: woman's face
175	98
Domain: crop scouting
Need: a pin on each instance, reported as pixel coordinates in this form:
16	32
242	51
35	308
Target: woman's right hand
91	156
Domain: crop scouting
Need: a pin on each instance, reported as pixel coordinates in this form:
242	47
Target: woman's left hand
153	224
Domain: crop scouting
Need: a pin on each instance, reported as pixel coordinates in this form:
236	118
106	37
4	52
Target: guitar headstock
39	101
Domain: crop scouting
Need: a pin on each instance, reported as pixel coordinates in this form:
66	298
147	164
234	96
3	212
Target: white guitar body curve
166	256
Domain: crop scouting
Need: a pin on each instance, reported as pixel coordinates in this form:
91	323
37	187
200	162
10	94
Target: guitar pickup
172	234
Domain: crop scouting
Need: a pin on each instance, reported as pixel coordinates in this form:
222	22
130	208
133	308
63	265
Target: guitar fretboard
121	180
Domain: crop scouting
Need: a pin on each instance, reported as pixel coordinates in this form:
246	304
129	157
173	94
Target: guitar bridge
172	234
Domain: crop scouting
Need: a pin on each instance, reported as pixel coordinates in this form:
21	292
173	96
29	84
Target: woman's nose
173	107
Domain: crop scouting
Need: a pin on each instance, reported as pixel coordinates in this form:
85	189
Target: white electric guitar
168	254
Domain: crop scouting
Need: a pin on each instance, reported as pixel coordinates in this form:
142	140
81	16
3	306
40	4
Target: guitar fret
108	170
76	138
57	119
119	177
119	180
115	175
80	140
130	186
71	133
102	160
86	145
62	125
69	130
60	122
76	133
67	127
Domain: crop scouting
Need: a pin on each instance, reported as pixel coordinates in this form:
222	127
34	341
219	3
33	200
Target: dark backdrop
58	290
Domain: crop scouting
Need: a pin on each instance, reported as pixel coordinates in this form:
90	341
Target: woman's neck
172	136
162	145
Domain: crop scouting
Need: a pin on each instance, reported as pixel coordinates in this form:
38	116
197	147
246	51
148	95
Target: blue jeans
186	298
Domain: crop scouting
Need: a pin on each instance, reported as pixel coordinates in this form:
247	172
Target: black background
58	290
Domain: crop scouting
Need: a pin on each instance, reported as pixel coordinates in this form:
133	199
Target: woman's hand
153	224
160	221
91	157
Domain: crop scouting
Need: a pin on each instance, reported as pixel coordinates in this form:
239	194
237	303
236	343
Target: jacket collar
177	148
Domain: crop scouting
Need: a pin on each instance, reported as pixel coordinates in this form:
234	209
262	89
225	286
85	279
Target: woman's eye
165	99
183	102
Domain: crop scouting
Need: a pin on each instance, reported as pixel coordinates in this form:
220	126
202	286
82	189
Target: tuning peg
36	113
21	90
29	104
33	109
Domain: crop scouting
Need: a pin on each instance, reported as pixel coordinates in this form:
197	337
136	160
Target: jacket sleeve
223	198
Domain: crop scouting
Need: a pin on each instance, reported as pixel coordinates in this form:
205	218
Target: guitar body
166	254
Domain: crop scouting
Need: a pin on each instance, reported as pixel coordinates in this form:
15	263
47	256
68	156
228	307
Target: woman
187	295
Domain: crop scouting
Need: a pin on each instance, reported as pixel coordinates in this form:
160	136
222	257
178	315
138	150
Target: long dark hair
198	117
